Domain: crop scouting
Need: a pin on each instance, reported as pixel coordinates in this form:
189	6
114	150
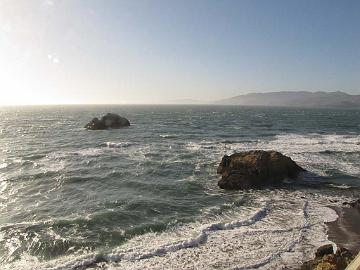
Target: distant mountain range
296	99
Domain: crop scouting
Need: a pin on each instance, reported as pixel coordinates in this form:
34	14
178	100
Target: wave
342	186
201	238
168	136
166	210
275	232
4	165
3	186
118	144
203	145
320	142
62	155
319	153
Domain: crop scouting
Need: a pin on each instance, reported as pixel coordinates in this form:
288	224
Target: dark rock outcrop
109	120
326	260
324	250
254	169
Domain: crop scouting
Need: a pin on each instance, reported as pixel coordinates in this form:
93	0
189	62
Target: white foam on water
58	160
154	245
89	152
247	244
343	186
118	144
49	164
310	143
318	153
279	233
168	136
320	142
4	165
60	155
3	186
190	178
193	146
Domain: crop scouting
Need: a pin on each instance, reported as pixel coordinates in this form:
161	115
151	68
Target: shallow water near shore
146	197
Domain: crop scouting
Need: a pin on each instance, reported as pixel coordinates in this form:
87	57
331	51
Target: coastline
345	230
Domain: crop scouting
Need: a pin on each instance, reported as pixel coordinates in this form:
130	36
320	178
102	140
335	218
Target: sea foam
278	234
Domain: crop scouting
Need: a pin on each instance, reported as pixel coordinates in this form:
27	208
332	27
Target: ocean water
146	197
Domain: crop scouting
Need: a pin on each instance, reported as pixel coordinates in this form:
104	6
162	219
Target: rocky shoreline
345	233
257	169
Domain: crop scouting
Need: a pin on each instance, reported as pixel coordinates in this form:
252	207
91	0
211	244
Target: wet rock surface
108	121
255	169
326	259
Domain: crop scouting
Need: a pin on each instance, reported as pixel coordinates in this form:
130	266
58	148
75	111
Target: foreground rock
254	169
324	250
110	120
326	259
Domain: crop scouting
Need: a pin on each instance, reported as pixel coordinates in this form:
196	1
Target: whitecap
318	153
275	233
278	234
3	186
91	152
342	186
4	165
118	144
167	136
192	146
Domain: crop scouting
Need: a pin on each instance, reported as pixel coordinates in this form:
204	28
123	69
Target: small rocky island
255	169
110	120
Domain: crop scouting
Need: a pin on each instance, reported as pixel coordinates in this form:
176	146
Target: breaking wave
147	197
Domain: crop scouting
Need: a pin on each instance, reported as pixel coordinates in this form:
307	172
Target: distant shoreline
179	105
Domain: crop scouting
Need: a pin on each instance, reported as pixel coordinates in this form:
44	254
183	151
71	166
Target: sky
142	51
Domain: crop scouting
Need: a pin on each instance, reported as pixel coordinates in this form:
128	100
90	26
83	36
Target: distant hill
296	99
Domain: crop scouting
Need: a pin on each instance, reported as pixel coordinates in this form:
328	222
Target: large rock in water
110	120
254	169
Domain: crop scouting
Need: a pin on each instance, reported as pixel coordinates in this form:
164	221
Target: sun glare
28	97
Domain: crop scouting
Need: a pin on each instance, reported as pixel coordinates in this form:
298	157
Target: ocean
146	197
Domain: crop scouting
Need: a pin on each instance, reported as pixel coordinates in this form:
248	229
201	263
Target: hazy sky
72	51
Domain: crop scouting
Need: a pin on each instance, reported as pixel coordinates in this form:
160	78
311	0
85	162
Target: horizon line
173	102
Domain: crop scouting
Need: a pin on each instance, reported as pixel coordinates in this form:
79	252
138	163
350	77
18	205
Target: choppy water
145	197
